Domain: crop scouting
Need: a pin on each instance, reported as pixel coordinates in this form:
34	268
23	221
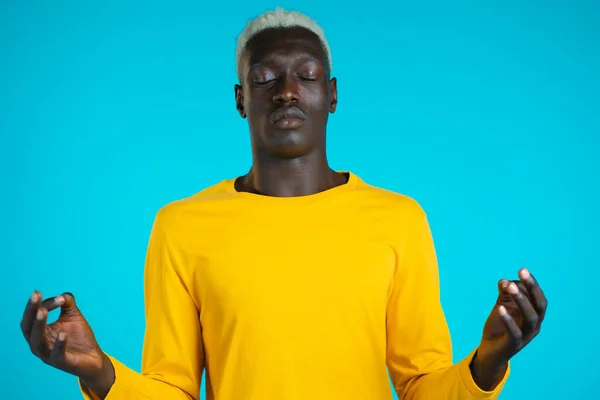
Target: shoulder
187	209
399	216
396	203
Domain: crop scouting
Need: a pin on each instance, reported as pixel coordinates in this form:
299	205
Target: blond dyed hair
279	18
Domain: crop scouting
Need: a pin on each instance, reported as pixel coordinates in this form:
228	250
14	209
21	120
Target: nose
287	91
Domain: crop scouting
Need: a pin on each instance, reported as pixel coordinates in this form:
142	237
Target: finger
503	289
504	296
502	283
29	314
57	354
69	307
538	299
38	341
53	303
511	326
530	315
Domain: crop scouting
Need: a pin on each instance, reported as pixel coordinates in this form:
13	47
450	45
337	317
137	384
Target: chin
288	144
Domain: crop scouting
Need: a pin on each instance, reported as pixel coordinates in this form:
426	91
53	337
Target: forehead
283	42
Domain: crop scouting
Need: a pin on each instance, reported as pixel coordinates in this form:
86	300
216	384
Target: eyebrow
270	60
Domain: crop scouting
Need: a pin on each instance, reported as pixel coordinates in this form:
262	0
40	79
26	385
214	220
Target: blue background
487	113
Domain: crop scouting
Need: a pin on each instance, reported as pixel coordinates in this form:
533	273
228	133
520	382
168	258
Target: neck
302	176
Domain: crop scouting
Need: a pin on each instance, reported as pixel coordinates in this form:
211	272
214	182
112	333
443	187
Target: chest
271	271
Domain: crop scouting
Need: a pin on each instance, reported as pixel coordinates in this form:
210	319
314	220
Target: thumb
501	286
69	308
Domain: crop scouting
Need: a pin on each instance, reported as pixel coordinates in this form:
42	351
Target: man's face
286	92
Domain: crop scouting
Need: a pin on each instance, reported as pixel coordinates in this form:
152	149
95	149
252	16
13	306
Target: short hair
280	18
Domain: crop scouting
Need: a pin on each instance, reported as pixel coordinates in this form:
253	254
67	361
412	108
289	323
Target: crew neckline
353	181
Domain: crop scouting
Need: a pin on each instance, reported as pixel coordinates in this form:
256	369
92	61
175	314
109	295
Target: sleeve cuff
467	379
120	389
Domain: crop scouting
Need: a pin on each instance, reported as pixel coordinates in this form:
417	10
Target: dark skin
286	94
68	343
284	74
514	322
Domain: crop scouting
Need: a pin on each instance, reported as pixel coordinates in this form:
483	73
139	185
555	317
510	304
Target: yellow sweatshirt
298	298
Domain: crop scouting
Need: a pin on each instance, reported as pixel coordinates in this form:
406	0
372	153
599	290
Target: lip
287	117
289	123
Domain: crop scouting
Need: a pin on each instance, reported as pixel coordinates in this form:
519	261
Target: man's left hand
513	323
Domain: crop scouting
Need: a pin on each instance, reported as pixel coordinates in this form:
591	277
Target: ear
333	95
239	100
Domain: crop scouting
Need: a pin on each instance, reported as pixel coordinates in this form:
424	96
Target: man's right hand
68	343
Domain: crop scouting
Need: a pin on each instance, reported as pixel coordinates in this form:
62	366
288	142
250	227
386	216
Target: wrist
101	382
487	373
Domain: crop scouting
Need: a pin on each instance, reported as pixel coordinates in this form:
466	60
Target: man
293	281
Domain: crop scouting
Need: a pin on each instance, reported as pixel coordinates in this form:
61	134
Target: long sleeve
419	350
173	355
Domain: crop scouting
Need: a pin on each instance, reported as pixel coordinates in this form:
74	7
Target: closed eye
263	82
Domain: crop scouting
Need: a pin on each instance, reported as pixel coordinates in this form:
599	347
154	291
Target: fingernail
40	314
502	310
512	288
59	300
525	274
34	297
62	336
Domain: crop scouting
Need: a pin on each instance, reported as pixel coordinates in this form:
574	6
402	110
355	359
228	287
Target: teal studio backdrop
486	112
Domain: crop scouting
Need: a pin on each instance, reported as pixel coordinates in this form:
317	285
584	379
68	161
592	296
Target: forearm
101	384
487	375
128	384
455	382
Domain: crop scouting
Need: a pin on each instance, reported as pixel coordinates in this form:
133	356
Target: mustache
287	112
